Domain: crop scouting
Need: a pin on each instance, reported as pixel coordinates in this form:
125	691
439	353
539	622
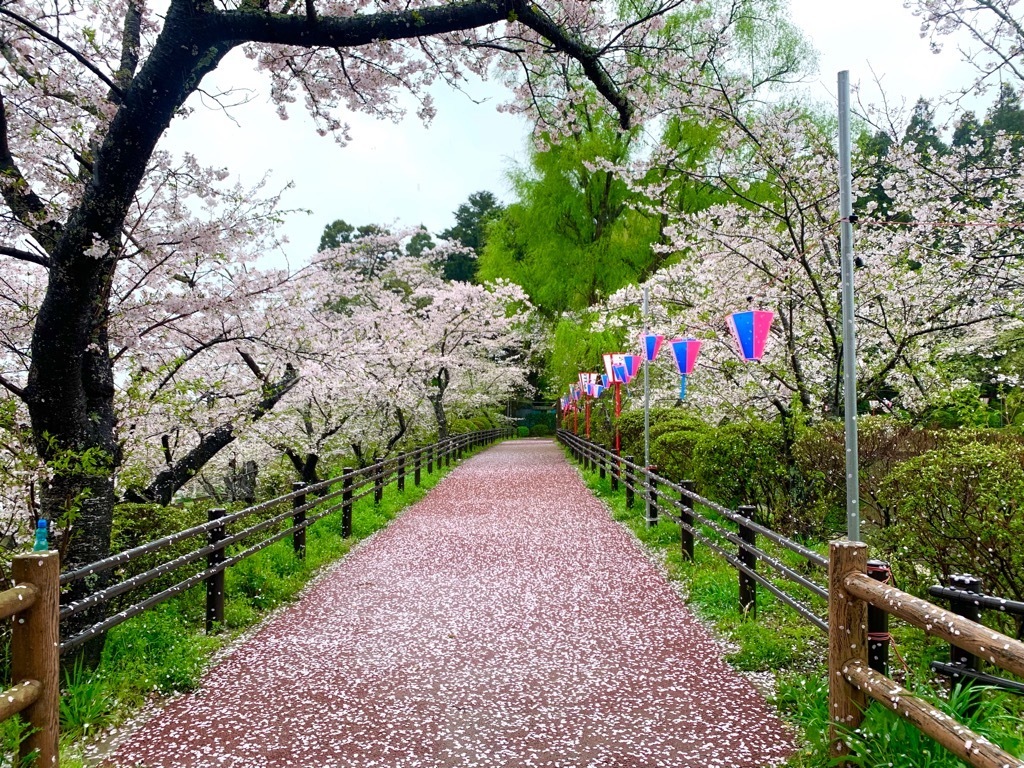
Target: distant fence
34	601
858	598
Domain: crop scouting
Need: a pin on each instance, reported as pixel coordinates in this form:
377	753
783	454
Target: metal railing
268	522
701	519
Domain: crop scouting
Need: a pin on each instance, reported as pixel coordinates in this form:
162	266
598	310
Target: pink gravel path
504	620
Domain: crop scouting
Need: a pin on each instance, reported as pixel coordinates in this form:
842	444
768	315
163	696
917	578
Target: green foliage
574	235
819	455
742	463
575	348
540	430
472	220
957	509
522	431
886	739
85	703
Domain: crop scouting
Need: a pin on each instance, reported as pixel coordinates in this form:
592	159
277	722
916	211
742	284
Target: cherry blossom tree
992	32
86	92
939	276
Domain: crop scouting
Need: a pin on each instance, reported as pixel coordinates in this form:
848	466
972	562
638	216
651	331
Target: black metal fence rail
966	598
338	493
685	509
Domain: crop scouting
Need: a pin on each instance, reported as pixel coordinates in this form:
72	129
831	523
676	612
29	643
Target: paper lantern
684	352
750	330
652	345
608	363
632	363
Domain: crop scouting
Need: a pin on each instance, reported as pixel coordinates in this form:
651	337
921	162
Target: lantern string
942	224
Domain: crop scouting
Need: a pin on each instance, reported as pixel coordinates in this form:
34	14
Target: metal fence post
969	610
35	655
629	480
298	522
878	623
686	516
652	497
346	503
748	587
215	582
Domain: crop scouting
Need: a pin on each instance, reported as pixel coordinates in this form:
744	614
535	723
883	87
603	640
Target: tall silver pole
647	394
849	331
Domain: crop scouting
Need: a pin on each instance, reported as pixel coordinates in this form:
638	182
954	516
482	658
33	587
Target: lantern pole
586	410
849	331
647	391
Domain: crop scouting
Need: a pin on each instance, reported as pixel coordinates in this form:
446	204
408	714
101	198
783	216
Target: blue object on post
42	543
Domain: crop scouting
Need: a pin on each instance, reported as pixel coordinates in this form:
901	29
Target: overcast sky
413	175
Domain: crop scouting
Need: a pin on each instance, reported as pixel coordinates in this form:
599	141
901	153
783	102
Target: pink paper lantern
652	345
750	330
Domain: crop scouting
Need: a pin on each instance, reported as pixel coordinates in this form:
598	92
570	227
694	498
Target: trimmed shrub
540	430
522	431
958	509
743	463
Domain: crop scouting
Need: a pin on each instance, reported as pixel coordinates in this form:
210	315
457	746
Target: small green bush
958	509
540	430
522	431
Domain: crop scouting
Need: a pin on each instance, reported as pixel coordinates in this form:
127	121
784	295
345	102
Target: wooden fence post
602	462
748	586
616	469
847	641
35	654
652	497
686	516
299	519
630	480
448	452
378	482
346	502
215	582
430	459
878	623
401	472
416	462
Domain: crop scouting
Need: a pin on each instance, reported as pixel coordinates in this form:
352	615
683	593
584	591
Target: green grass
165	651
794	651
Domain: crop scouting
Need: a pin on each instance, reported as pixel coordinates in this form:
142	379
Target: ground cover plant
787	656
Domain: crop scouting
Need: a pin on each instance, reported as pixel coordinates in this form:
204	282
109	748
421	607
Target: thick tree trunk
437	401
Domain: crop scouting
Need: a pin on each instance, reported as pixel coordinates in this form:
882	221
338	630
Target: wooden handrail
19	697
957	738
17	599
995	647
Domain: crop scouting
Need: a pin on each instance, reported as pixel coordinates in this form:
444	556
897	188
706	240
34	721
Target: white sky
410	174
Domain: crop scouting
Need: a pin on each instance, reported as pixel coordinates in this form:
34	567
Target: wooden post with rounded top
35	654
847	641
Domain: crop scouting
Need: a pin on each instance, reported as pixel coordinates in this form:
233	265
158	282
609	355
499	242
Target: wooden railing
32	604
851	680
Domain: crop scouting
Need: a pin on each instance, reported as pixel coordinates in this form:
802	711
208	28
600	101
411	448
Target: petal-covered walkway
504	620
